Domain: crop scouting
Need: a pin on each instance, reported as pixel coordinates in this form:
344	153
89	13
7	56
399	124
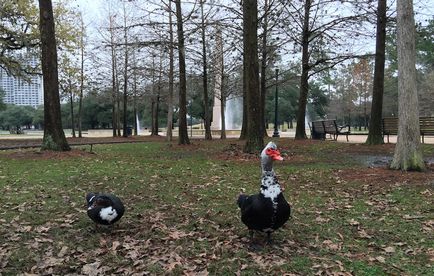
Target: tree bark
80	97
222	101
54	137
183	131
263	89
255	137
169	134
157	103
206	110
118	102
125	99
375	136
114	83
245	125
136	126
408	152
154	104
71	107
300	131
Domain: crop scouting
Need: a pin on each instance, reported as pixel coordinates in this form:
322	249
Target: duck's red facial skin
274	154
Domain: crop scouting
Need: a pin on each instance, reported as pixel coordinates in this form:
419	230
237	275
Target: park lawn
349	216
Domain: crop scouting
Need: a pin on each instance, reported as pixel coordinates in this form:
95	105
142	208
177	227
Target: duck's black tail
241	199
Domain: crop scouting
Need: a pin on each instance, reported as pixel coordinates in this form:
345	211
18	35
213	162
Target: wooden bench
321	128
390	126
426	126
317	130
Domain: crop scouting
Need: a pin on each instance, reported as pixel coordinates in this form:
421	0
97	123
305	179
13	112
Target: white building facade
22	92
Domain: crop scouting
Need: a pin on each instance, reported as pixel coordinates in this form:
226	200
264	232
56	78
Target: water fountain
138	124
234	114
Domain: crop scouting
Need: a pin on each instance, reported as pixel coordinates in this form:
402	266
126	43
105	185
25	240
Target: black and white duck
104	209
268	210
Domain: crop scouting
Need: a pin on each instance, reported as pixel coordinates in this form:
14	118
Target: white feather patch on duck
270	188
108	213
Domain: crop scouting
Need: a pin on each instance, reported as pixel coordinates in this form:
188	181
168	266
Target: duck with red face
268	210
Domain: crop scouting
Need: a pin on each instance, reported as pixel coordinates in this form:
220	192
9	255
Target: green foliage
424	47
19	22
16	116
288	91
38	117
318	101
19	29
2	103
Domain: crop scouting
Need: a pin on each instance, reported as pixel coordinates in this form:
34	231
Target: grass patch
181	215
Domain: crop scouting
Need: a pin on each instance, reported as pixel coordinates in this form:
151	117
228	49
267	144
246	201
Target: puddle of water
375	161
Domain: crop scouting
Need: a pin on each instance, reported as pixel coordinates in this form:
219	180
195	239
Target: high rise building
22	92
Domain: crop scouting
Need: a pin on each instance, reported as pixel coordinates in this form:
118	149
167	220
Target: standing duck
268	210
104	209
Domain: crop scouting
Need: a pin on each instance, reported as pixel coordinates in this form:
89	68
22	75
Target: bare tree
254	138
80	97
183	132
304	80
320	23
115	86
206	108
408	152
375	136
54	137
171	69
125	98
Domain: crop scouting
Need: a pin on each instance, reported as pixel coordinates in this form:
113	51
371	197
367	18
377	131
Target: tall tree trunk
118	103
154	104
222	116
169	134
264	62
408	152
300	131
255	138
125	99
136	126
54	137
183	131
80	96
207	116
71	107
245	125
375	136
115	111
222	97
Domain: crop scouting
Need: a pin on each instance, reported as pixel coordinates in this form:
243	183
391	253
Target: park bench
390	126
16	130
426	126
319	129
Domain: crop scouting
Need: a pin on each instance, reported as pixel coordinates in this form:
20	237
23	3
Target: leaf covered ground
351	215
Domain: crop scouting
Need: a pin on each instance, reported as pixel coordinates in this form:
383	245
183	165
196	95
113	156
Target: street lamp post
276	105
